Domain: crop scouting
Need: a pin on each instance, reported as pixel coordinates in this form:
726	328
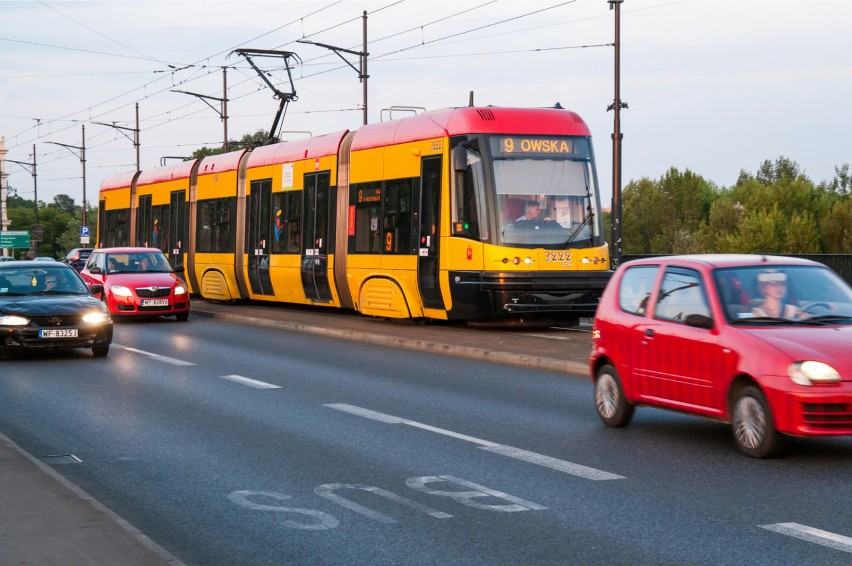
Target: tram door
177	227
315	237
428	248
259	223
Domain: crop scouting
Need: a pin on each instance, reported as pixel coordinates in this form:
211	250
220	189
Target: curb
505	358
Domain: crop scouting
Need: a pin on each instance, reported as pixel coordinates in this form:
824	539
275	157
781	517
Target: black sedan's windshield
40	280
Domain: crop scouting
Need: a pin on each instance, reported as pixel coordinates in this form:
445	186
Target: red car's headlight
809	372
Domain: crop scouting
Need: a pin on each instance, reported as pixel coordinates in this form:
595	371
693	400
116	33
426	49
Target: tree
836	228
249	140
66	204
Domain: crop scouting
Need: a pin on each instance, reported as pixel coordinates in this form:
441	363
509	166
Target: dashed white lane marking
517	453
810	534
250	382
166	359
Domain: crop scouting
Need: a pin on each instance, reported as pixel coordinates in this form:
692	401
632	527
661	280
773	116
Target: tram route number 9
558	255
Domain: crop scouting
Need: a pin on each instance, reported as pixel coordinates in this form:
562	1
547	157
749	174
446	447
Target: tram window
160	227
117	228
397	217
215	225
368	204
143	221
286	222
469	199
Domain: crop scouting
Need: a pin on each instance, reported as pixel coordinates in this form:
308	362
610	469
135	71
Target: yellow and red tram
459	214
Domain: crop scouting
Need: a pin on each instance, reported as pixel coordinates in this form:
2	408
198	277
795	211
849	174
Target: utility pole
32	172
82	156
363	76
134	139
617	105
4	221
223	105
362	58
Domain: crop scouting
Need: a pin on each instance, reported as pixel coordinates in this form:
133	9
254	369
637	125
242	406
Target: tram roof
471	120
121	181
296	150
221	163
180	170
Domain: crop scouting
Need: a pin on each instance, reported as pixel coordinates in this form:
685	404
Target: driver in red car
772	285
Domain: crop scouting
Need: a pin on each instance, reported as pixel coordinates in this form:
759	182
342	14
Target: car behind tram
476	213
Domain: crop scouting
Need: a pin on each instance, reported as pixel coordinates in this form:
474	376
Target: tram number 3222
558	256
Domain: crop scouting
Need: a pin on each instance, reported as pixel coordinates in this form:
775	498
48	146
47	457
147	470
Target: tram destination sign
14	239
531	145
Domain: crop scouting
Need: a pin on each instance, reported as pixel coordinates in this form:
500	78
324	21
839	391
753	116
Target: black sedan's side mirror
97	288
699	321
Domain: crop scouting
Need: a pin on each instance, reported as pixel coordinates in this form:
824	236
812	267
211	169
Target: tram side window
216	226
143	221
117	228
286	222
160	227
368	210
469	200
397	217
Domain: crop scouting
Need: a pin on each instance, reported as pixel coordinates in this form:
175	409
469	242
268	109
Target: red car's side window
681	294
634	290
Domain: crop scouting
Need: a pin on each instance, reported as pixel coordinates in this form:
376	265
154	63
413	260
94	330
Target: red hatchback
138	282
760	342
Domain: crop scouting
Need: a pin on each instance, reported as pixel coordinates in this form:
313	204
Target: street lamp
31	168
135	131
362	59
223	104
82	157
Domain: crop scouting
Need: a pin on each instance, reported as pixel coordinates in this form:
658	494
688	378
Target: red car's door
684	362
627	325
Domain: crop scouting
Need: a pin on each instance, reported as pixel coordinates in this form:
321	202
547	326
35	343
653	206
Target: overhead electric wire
94	30
198	68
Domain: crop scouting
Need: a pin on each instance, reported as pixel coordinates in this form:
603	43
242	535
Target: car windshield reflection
17	282
137	263
783	295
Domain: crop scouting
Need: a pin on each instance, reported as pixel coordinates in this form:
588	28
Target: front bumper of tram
518	296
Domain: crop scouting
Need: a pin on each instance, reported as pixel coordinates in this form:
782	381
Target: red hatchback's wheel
612	407
753	425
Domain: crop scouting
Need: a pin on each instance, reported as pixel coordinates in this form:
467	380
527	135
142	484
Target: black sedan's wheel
753	425
612	407
100	351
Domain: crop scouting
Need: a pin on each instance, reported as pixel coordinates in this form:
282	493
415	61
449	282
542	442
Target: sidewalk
46	520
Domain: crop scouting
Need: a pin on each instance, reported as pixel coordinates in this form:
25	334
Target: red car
760	342
137	282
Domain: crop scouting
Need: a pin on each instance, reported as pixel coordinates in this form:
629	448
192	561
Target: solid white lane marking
166	359
810	534
531	457
250	382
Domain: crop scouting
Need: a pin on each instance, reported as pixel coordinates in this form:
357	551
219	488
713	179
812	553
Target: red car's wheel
612	407
753	425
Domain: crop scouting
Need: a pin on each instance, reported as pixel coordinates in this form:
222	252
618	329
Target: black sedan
46	305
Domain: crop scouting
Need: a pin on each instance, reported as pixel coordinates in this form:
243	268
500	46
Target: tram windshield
545	191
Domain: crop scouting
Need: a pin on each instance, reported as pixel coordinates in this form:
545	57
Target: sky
713	86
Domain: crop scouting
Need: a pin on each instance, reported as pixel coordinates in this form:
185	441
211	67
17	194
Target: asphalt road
236	444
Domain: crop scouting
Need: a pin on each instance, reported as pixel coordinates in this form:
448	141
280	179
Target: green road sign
15	239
